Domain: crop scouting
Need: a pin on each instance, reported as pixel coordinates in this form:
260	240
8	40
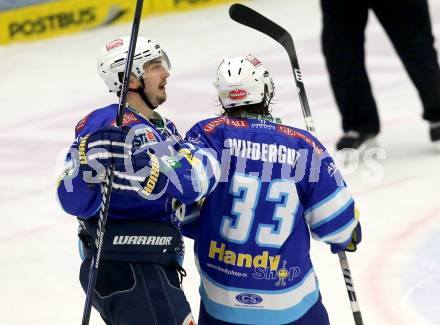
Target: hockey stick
249	17
108	182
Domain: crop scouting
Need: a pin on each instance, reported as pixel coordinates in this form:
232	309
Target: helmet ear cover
243	81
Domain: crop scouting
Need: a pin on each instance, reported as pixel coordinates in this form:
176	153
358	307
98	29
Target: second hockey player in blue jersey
278	185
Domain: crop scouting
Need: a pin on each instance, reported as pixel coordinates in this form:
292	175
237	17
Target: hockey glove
356	238
97	150
113	146
143	170
185	213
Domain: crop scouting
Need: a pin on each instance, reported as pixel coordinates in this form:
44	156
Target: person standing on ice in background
277	186
408	26
138	280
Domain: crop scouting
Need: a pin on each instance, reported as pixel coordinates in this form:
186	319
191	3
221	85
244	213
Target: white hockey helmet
111	61
243	81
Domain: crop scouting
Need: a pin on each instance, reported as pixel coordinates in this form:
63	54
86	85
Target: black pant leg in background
408	26
343	39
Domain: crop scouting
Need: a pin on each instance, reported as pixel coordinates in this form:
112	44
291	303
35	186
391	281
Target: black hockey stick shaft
350	288
108	182
249	17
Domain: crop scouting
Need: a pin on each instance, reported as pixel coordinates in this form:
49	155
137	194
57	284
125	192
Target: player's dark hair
259	109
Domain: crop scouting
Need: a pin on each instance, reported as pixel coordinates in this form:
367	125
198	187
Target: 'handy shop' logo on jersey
249	298
280	276
228	256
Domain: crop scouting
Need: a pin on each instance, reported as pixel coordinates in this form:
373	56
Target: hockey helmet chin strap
141	93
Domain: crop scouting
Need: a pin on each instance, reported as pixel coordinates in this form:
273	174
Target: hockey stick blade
249	17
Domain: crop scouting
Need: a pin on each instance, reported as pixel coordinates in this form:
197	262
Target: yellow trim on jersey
190	157
154	175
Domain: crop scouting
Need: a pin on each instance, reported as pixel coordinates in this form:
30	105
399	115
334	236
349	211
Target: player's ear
134	82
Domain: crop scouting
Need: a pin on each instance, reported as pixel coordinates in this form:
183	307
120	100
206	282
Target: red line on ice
379	270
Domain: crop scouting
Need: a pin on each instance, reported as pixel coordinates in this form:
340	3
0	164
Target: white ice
47	86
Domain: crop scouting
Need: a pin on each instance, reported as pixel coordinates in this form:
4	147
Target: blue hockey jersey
83	200
278	185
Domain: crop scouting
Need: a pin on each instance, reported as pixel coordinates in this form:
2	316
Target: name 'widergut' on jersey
261	151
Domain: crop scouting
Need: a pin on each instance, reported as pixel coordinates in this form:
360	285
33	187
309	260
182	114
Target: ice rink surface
46	87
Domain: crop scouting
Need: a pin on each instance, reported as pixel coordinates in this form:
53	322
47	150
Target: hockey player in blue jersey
138	280
278	185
